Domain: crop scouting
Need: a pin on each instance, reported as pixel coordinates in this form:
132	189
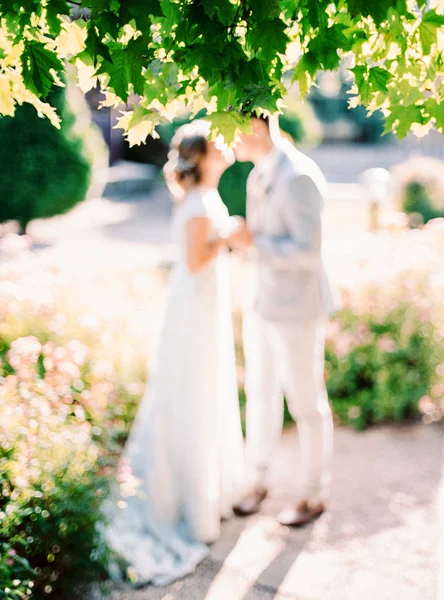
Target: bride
185	449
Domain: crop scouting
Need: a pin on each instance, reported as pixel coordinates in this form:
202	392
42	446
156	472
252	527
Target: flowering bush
72	369
16	575
385	348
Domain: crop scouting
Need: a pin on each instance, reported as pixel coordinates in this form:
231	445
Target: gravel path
378	541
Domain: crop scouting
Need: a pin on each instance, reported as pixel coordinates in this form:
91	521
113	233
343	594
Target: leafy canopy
224	55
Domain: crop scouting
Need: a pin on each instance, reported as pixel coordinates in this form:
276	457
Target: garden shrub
51	489
420	188
69	388
384	367
385	348
46	171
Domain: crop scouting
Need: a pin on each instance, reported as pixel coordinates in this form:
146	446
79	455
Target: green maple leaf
234	56
362	83
95	47
269	38
99	6
209	61
305	72
359	72
261	98
171	13
229	124
53	10
409	93
265	10
325	46
370	81
210	7
107	23
126	68
406	116
7	6
226	94
142	123
225	11
37	63
436	111
428	30
187	31
397	32
155	90
317	13
377	9
141	11
289	8
378	79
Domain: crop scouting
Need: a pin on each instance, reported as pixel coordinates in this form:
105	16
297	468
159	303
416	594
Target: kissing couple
185	449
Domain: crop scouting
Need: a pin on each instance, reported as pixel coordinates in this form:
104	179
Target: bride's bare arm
201	250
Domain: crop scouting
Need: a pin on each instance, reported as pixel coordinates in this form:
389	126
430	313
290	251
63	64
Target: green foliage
420	183
417	201
384	375
383	370
227	55
16	575
63	416
55	531
233	188
51	482
45	171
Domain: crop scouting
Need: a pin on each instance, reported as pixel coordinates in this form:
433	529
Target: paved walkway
378	542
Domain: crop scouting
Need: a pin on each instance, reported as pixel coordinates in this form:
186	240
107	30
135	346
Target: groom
284	328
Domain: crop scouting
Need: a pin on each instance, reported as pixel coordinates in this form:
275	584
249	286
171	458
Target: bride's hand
241	238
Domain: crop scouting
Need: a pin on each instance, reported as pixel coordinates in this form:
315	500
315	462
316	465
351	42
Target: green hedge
46	171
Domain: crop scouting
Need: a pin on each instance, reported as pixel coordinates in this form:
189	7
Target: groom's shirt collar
266	168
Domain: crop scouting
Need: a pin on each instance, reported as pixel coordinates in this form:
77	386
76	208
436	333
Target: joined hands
241	238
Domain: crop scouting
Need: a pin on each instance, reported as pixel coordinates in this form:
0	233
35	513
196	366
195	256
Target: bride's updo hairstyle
188	147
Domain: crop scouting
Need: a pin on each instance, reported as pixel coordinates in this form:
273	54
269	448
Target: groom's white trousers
285	358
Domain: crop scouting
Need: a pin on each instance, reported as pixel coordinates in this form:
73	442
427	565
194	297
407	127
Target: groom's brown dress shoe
301	515
251	503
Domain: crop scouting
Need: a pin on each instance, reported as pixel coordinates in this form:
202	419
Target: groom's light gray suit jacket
284	212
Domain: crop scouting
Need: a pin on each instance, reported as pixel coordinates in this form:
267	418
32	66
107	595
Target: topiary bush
420	183
417	203
46	171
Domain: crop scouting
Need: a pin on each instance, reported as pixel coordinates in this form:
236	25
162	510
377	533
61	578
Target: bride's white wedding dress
186	443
